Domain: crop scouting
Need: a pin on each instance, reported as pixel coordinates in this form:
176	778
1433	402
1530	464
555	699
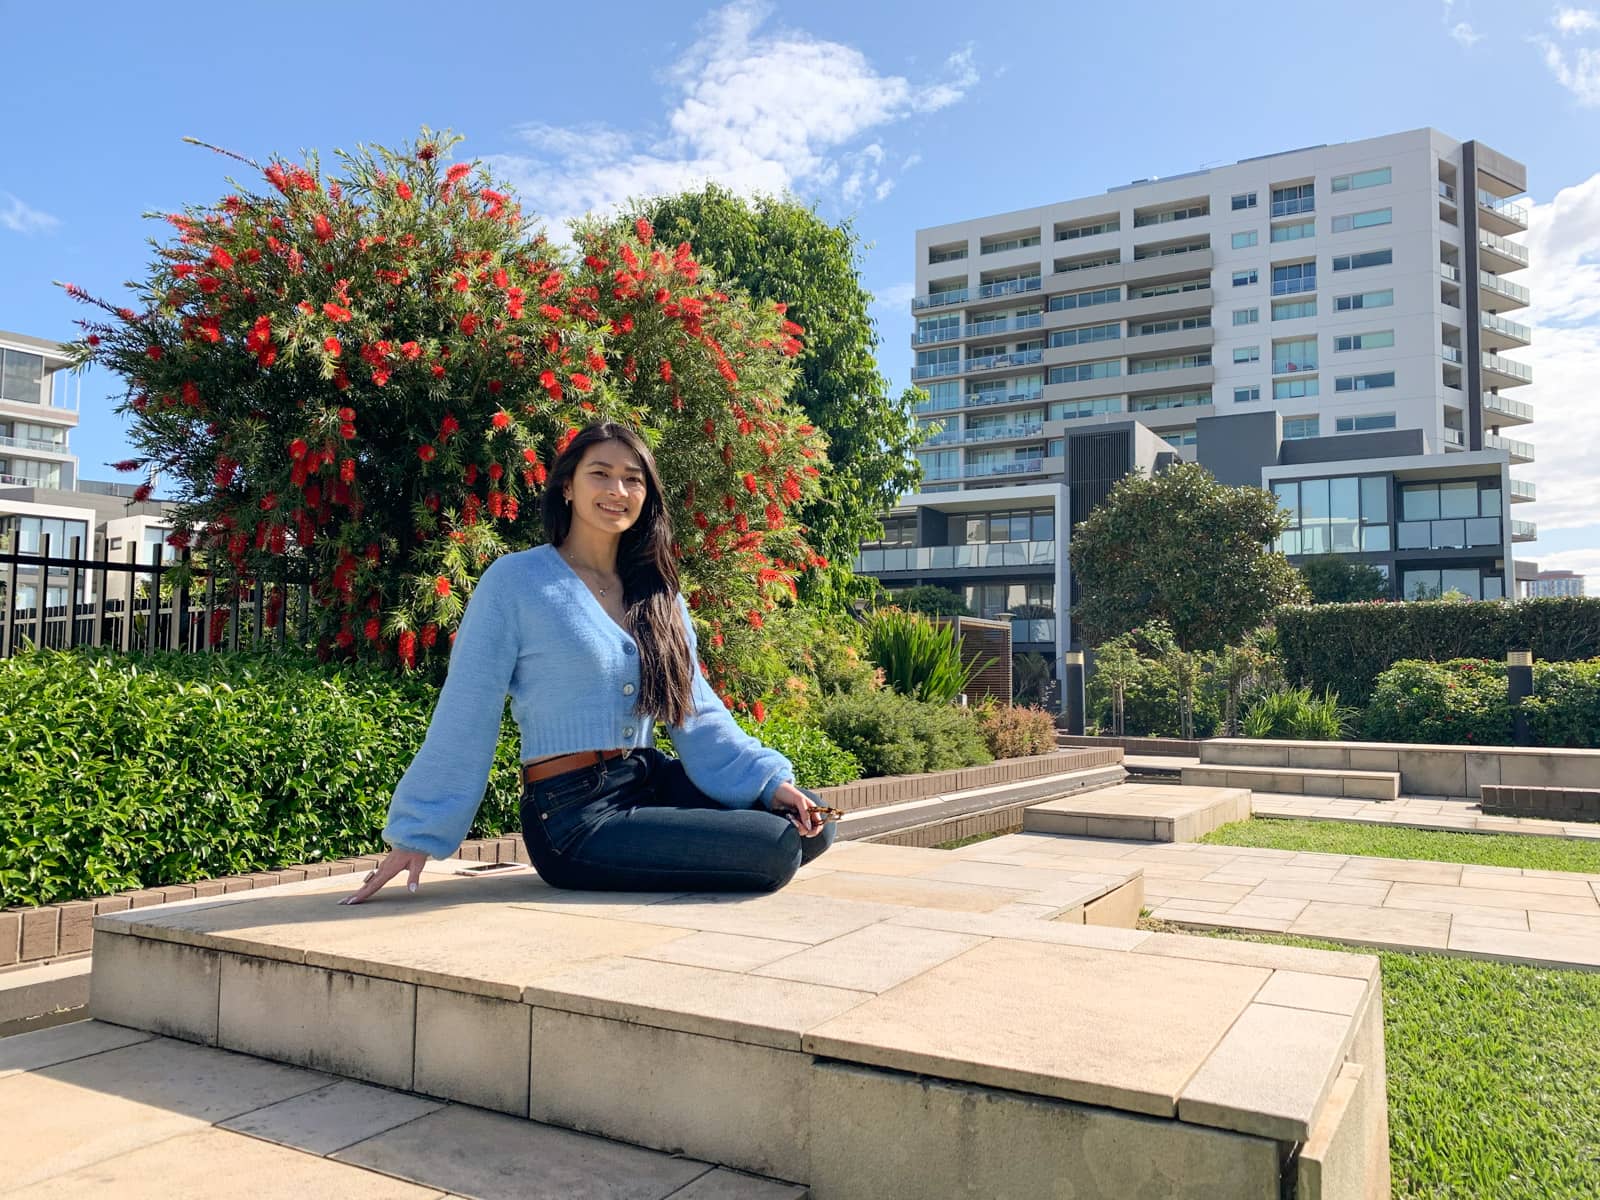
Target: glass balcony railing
1505	366
945	437
1010	287
1524	489
940	299
1023	466
1004	325
1026	630
1524	531
1518	450
1448	192
1503	287
1453	274
1495	323
1450	533
1017	358
985	399
1454	436
1451	354
19	481
1505	208
931	558
935	404
1292	366
1511	250
1300	204
1506	407
1292	287
34	444
937	335
935	370
1000	433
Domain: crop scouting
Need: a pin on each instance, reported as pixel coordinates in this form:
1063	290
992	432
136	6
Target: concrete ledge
1170	747
1559	804
1305	781
1143	812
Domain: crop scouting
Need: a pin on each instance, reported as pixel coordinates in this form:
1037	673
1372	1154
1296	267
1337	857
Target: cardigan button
628	732
627	689
627	648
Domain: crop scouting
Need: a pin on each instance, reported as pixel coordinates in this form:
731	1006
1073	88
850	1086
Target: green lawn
1494	1077
1385	841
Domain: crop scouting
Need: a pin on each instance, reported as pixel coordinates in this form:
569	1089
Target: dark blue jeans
638	824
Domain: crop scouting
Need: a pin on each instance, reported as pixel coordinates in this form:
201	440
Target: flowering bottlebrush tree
361	379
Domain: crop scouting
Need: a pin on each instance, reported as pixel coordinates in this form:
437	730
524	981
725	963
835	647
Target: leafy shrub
1296	714
932	599
134	772
919	659
1461	701
1015	731
1347	646
891	734
1564	709
1151	705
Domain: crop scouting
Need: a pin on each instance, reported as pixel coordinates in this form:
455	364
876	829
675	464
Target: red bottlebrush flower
644	230
430	634
220	258
596	361
791	346
153	353
710	427
347	413
538	473
426	453
551	311
142	492
565	440
759	711
336	313
581	382
530	456
297	449
701	520
267	357
470	475
441	587
344	639
342	382
347	471
496	471
755	619
741	523
127	464
469	324
380	376
403	190
750	484
625	325
411	351
331	345
460	283
666	371
496	505
457	172
501	419
774	516
268	502
93	339
372	628
438	371
183	270
448	426
321	227
191	394
725	369
408	648
178	539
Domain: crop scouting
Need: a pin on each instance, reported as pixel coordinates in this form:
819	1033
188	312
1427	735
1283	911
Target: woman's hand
410	861
789	801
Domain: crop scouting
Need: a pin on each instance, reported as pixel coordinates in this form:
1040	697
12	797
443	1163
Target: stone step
929	1002
1305	781
1144	812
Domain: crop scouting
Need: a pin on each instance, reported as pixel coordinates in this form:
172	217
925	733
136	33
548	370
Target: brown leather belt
547	768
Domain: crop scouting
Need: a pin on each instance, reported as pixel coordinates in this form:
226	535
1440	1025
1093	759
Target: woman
593	642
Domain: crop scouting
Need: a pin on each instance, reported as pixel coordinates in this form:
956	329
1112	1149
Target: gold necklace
591	571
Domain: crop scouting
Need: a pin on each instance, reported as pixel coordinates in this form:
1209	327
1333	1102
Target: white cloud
1569	21
1574	67
1463	33
19	218
753	108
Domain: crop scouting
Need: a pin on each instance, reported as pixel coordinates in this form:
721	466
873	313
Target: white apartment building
1303	320
1554	583
38	411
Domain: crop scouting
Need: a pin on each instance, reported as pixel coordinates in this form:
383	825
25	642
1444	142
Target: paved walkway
1549	918
1415	812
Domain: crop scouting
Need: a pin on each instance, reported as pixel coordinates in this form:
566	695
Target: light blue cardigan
534	630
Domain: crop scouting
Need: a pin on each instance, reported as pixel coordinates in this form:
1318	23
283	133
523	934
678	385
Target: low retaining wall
1176	747
1424	770
1557	804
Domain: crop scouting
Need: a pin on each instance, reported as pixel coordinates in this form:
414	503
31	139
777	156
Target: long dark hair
648	571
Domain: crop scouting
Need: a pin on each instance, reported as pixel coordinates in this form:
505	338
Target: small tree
1116	666
1335	579
1182	548
934	600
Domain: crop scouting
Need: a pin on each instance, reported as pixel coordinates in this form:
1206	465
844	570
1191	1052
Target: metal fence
140	608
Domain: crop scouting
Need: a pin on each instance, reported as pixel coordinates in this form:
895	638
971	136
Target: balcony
1294	366
1288	208
937	558
1524	531
1023	466
1501	216
1447	192
1523	491
1009	287
19	481
992	399
1450	533
35	444
1003	325
938	335
1294	287
1500	333
994	362
1453	274
1451	354
1509	412
935	370
1454	437
1505	372
939	299
1509	294
1501	255
1520	452
945	437
1002	433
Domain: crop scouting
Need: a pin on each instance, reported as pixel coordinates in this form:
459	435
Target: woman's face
608	490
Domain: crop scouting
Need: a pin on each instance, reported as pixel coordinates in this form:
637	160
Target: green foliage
891	734
1458	702
1031	676
1416	845
918	658
1296	714
121	772
1014	731
933	600
1152	681
777	249
1564	709
1338	579
818	760
1346	646
1182	548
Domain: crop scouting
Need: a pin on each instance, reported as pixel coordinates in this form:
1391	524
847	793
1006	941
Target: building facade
1331	322
38	412
1554	583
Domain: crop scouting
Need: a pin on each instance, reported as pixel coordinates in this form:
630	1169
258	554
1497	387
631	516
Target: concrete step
1146	812
1305	781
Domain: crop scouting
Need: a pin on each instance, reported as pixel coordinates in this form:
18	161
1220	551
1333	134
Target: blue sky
898	116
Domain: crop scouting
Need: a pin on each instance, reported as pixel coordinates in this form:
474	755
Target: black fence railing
136	607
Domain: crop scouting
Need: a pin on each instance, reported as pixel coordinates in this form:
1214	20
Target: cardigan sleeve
721	759
434	804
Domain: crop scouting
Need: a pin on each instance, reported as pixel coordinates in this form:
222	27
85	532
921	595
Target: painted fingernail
411	887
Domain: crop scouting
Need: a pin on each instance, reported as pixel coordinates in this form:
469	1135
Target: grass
977	837
1494	1076
1386	841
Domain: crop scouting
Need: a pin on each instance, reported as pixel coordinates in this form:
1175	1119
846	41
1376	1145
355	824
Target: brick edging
33	936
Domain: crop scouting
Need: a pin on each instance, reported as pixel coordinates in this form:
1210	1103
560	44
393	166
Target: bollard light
1072	685
1519	685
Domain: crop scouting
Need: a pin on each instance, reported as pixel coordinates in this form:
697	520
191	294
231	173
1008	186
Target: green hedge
1564	709
1463	702
891	734
1346	646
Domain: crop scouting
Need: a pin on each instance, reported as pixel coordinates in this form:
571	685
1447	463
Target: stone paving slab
1154	812
1434	812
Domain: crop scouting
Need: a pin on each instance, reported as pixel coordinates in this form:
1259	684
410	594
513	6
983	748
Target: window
1089	262
1364	423
1171	325
897	531
1181	437
939	254
1294	389
941	397
1006	391
1185	212
1383	299
1289	310
22	377
1078	372
1298	198
1203	283
1293	278
1370	258
1345	222
1245	278
1364	383
1244	200
938	329
1174	362
1364	341
1085	334
1090	229
1094	406
1294	232
1243	241
1168	400
1473	582
1297	354
940	464
1346	515
1246	354
1243	395
1084	299
1246	316
932	363
1296	428
1015	241
1361	179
